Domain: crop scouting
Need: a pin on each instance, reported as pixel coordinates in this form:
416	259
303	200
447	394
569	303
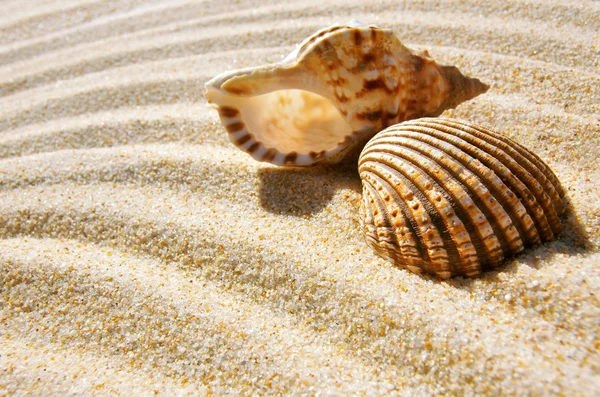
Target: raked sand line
147	16
466	31
27	19
184	167
560	12
129	295
535	80
421	316
110	22
201	170
192	27
193	70
98	56
185	75
540	127
45	71
174	167
180	122
124	50
114	97
34	366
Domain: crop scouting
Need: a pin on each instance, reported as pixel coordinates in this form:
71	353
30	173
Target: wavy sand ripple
141	253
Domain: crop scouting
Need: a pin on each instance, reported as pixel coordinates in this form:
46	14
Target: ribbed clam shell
451	198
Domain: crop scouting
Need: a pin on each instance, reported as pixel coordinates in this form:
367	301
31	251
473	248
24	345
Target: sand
141	253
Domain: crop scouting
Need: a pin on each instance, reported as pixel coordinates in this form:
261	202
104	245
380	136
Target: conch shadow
304	191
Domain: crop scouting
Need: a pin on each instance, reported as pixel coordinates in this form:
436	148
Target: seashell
451	198
338	88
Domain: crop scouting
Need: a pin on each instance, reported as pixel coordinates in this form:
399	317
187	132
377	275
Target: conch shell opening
339	87
283	126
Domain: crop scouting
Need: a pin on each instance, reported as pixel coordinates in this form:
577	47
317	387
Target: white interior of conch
289	120
294	120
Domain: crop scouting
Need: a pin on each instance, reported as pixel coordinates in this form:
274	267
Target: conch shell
451	198
338	88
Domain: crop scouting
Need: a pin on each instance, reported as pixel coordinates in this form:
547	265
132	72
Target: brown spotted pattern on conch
339	87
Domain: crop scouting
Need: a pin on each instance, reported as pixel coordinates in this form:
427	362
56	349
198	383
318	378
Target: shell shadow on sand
301	191
573	240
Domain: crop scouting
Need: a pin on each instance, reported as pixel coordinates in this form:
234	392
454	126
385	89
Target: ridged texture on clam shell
451	198
340	86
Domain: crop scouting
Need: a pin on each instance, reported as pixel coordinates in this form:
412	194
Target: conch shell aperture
339	87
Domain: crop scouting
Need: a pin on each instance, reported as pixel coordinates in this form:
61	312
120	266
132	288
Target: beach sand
142	253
